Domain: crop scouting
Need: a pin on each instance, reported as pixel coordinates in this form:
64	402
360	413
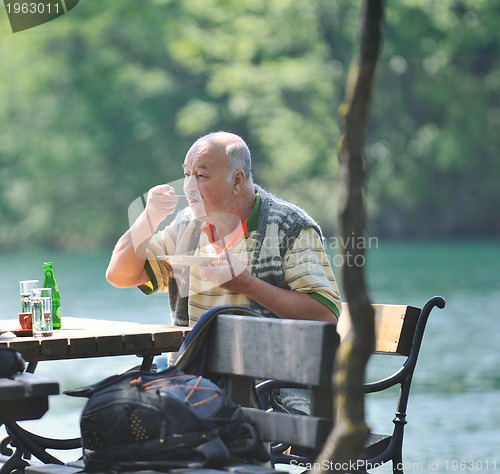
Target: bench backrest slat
287	350
394	327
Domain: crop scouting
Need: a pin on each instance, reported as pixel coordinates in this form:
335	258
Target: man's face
208	191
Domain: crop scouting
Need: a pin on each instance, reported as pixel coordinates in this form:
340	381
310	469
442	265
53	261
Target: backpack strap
214	452
211	453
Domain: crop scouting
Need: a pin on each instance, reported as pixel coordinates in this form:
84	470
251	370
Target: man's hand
161	202
284	303
126	267
223	272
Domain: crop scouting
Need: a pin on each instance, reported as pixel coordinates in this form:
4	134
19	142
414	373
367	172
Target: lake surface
453	414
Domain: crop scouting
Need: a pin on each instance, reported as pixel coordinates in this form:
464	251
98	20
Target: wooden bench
23	396
302	352
399	331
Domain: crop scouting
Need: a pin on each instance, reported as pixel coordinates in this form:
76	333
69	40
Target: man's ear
239	181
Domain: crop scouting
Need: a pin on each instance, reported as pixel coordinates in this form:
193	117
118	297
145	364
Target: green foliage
431	156
102	103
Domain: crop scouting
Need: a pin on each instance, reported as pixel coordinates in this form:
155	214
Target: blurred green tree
432	159
102	103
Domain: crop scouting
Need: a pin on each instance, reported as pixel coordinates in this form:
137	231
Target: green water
453	419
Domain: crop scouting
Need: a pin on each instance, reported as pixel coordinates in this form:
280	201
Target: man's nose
190	184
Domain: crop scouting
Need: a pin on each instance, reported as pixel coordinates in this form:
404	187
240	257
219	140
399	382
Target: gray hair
239	158
235	149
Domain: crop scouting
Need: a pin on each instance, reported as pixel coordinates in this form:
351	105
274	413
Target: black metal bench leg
397	465
397	450
15	463
37	445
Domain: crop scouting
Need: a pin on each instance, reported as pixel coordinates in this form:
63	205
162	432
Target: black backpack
11	362
163	420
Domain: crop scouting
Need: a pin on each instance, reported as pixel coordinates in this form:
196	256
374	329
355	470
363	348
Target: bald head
217	172
232	146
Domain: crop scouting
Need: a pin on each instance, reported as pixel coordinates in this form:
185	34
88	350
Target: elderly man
264	252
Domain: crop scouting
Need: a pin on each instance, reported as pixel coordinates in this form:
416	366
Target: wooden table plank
169	341
29	347
89	337
139	343
83	346
110	345
54	346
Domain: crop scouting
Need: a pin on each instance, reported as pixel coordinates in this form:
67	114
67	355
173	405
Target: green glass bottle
49	281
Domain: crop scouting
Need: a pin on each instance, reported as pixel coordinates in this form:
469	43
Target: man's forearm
281	302
126	267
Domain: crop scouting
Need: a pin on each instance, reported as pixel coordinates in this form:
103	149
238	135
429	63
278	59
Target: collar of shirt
247	226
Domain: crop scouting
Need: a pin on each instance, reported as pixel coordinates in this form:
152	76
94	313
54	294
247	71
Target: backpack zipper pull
137	381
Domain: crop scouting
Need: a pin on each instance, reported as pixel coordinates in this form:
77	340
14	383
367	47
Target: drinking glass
26	286
25	320
41	310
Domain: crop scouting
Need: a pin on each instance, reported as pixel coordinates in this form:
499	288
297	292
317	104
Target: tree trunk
345	444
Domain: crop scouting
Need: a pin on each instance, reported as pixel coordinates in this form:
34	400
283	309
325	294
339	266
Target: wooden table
24	396
85	337
79	338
